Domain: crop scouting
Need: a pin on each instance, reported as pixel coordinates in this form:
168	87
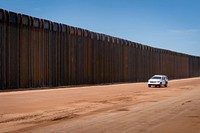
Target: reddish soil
120	108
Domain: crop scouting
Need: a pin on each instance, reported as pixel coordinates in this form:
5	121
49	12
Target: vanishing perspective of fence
40	53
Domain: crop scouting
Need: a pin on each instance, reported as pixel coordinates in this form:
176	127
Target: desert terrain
118	108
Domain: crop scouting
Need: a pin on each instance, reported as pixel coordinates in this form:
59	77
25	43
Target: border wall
39	53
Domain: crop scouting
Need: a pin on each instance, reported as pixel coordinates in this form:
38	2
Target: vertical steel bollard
34	51
78	55
24	43
103	58
114	58
72	55
3	34
41	55
117	59
109	58
86	56
55	47
89	57
46	41
85	47
100	47
64	56
81	59
59	54
92	58
97	64
12	51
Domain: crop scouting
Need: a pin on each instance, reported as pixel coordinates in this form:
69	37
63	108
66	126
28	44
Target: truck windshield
156	78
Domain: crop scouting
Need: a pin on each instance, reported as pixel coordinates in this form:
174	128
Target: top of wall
12	18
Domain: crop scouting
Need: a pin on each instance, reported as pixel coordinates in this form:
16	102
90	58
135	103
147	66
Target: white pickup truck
158	80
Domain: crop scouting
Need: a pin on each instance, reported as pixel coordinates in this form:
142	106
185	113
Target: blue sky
167	24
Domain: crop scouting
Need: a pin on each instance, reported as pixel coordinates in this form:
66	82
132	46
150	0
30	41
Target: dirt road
122	108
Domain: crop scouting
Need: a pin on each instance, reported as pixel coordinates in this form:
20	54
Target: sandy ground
122	108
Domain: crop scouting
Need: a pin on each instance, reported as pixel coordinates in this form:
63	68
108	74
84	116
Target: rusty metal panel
120	49
109	58
144	77
101	57
42	51
34	52
55	54
97	60
54	48
72	55
24	41
132	61
199	65
2	15
147	63
12	51
191	66
64	56
130	72
3	69
82	59
117	55
151	63
121	60
115	61
125	60
77	55
187	65
89	55
142	69
86	56
98	52
135	61
175	66
46	48
170	64
139	64
93	57
129	62
58	32
31	57
49	38
80	55
104	58
108	43
100	48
